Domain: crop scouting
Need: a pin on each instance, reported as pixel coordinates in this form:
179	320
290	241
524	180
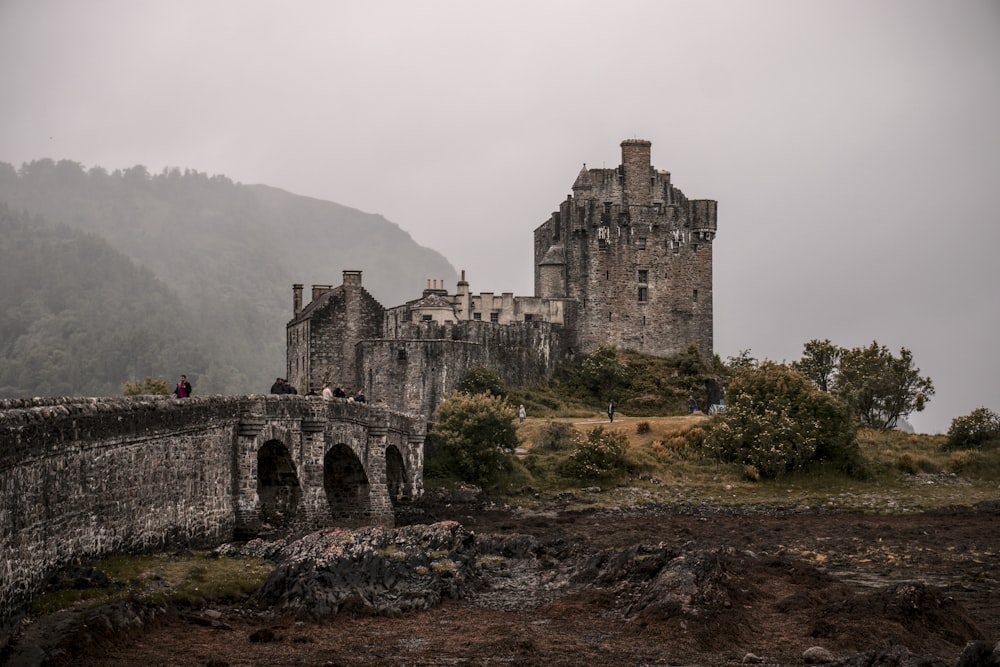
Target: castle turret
637	167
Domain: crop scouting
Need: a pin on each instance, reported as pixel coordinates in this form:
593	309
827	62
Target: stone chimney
297	299
352	278
320	290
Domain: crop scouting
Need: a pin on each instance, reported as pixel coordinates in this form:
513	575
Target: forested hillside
218	260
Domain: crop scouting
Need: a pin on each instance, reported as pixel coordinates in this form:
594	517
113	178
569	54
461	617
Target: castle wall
413	371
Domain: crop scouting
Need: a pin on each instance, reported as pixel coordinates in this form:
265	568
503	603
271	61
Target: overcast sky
853	145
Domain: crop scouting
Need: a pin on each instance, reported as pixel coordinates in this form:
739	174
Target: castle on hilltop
626	261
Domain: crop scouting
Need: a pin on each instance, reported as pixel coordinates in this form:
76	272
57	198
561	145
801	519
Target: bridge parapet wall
85	478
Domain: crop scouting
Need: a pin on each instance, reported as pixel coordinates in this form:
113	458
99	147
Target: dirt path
792	580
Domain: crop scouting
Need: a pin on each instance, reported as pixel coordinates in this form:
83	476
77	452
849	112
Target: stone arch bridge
84	478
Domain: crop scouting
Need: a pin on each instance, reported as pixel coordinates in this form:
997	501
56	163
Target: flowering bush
777	421
977	430
600	456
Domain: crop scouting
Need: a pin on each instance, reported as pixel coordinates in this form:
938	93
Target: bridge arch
279	491
346	484
396	476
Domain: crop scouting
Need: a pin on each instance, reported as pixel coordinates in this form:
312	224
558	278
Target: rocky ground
476	583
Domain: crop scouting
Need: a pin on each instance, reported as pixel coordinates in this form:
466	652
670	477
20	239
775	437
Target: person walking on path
521	413
611	411
183	388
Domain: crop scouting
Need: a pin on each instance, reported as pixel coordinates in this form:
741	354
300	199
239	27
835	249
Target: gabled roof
317	303
433	301
556	254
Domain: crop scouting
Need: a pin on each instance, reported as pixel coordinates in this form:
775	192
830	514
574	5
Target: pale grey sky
853	145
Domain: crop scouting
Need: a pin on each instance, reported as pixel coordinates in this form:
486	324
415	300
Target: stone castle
626	261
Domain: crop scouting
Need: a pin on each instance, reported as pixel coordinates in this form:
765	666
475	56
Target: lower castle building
626	261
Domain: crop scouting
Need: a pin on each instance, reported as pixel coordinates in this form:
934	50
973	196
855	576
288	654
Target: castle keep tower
635	254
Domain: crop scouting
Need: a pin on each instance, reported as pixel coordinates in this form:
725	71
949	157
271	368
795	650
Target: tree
819	362
978	430
777	421
880	388
601	372
742	361
474	436
483	381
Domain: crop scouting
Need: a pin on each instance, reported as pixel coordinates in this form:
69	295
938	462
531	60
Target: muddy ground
789	580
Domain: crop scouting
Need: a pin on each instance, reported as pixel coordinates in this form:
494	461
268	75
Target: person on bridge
327	392
183	388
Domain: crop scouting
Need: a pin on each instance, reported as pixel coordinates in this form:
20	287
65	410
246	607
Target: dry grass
906	472
191	578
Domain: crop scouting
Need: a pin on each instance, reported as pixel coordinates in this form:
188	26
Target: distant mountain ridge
228	252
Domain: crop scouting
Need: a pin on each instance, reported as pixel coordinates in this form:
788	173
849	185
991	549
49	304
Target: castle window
494	317
641	242
643	276
643	294
676	247
426	318
696	295
527	317
607	207
694	246
477	316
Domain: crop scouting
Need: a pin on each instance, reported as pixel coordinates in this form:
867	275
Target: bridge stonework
86	478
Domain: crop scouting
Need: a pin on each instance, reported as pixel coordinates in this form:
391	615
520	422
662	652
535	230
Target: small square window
527	317
477	316
494	317
641	242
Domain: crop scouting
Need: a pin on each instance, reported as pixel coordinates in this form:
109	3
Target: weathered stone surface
371	571
84	478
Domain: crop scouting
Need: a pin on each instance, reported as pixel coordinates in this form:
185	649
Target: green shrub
600	456
483	381
557	436
978	430
473	437
778	421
